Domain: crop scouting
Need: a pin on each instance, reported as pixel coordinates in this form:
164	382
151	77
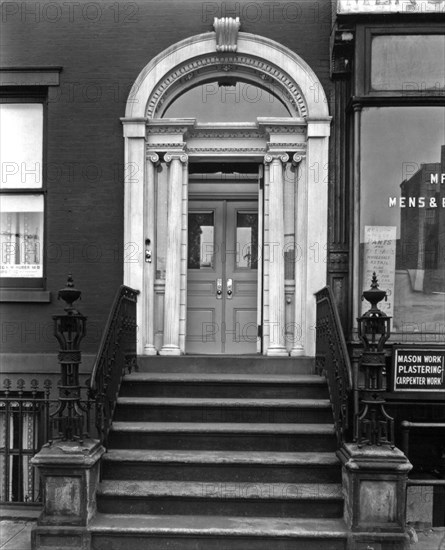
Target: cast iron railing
26	412
116	355
332	360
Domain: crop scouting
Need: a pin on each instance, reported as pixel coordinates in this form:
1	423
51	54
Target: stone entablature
251	140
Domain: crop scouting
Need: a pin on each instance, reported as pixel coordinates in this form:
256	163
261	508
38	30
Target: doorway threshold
229	364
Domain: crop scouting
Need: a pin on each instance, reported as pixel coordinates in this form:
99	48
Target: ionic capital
297	158
176	155
153	157
271	157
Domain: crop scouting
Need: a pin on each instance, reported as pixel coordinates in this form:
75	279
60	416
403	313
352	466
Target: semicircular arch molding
259	60
241	68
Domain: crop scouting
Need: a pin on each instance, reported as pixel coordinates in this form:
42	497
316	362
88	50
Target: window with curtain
21	194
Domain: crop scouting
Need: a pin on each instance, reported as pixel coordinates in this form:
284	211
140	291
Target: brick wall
102	47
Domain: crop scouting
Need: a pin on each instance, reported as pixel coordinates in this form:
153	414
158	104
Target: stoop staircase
228	453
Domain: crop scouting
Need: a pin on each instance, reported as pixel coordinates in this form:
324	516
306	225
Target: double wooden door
222	277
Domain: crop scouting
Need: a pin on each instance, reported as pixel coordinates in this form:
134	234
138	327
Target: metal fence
25	425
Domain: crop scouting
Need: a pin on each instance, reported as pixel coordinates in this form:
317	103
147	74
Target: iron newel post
374	471
69	464
69	329
373	426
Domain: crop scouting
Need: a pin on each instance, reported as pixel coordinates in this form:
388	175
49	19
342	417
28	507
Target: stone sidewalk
15	534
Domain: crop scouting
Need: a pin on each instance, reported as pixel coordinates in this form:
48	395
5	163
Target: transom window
228	101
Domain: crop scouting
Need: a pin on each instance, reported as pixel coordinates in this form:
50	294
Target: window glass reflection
242	102
408	62
402	197
200	240
21	136
247	240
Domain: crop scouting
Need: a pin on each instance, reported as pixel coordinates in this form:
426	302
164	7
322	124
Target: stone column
300	259
374	489
149	265
276	256
184	260
70	474
171	344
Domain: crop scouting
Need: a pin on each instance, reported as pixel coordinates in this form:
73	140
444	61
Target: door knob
219	289
229	288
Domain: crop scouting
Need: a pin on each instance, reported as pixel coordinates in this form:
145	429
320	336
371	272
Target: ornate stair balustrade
332	359
116	355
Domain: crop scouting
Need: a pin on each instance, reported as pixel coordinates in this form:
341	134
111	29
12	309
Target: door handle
219	285
229	288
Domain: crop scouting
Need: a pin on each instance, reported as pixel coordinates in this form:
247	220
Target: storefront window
402	217
410	63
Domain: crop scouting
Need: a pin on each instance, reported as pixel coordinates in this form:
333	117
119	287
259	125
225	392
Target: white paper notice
379	255
390	6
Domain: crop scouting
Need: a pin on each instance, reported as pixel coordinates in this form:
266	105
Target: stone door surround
300	139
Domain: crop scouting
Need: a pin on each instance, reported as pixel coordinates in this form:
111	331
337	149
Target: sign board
390	6
418	369
380	256
21	270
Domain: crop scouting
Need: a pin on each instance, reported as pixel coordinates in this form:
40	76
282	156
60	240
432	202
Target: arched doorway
271	193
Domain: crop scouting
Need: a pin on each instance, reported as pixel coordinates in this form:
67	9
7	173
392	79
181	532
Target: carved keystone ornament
226	29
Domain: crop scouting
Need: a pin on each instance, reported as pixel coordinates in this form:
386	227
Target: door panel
241	266
204	304
222	277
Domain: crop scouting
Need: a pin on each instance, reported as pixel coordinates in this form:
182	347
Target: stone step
250	466
220	498
223	436
139	532
245	364
198	409
269	386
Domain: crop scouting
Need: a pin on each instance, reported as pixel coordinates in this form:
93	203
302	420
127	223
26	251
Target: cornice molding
30	76
166	146
233	150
